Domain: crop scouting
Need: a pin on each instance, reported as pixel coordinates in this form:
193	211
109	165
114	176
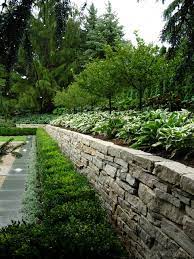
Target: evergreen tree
102	31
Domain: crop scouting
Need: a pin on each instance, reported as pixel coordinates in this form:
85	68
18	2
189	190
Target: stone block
142	175
110	170
182	196
108	159
137	205
148	197
190	211
171	212
187	182
188	227
121	163
100	145
126	186
117	189
97	162
89	150
145	237
178	236
154	218
181	254
131	180
171	171
167	197
114	151
147	161
129	154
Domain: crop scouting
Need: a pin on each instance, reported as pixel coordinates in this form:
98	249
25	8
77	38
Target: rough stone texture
149	199
188	227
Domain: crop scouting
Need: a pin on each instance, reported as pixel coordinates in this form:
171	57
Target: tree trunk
140	99
110	104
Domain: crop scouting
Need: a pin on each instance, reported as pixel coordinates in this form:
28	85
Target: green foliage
71	220
146	130
30	202
34	118
101	31
17	131
74	98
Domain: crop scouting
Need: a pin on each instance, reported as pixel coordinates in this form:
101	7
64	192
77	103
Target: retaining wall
149	199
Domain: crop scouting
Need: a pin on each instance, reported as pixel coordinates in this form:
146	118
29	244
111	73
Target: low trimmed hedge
17	131
71	222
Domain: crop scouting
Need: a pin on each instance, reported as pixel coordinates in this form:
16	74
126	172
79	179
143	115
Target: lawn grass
16	138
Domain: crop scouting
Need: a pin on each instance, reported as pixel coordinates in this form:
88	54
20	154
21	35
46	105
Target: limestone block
86	156
171	171
157	184
178	236
88	150
171	212
97	162
188	227
131	180
145	237
121	162
100	145
137	205
125	186
148	197
181	254
190	211
142	175
187	182
129	154
167	197
147	161
182	196
154	218
108	158
117	189
114	151
110	170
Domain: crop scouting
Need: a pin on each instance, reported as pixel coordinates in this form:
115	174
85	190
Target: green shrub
17	131
35	119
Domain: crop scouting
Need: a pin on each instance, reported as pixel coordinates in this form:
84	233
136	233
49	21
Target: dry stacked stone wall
149	199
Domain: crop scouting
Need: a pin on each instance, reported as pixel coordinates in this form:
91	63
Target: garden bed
163	133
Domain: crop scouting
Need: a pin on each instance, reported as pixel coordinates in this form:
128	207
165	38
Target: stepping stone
13	172
9	213
7	195
10	205
18	177
13	187
17	184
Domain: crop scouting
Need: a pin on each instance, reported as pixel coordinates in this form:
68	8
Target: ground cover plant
148	130
70	222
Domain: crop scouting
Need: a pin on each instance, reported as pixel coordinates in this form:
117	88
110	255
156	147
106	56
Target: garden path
12	185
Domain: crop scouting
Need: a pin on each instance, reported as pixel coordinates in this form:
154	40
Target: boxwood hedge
71	222
17	131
